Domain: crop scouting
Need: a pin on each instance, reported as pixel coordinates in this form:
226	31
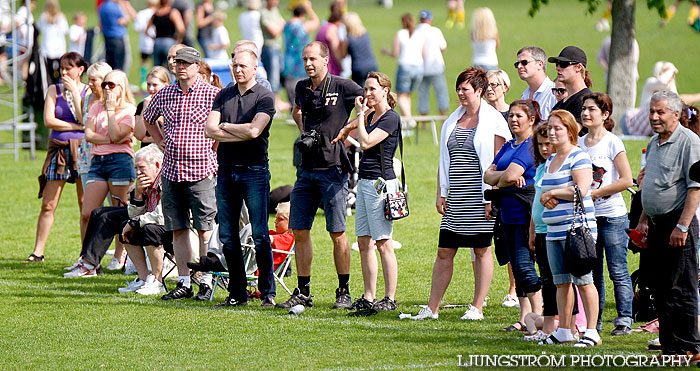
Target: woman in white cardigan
470	138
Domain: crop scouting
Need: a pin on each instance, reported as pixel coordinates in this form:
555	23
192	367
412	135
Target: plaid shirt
189	156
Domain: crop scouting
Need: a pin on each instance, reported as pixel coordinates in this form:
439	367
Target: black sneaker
204	293
296	299
268	302
362	303
179	292
386	304
621	330
342	299
231	302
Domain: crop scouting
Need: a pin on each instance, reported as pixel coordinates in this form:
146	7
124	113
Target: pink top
125	116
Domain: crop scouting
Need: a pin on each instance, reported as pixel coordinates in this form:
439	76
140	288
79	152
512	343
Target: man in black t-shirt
322	105
571	70
240	120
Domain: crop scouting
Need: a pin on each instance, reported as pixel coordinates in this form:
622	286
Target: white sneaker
132	286
77	262
510	301
81	271
486	304
151	286
114	264
129	268
425	313
472	313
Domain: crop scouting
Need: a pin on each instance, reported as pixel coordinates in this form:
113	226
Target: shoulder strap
58	91
381	160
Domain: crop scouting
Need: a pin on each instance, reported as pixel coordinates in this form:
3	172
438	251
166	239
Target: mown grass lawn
48	322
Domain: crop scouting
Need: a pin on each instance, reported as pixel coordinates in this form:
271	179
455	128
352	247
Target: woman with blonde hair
61	113
54	28
359	48
156	79
499	84
484	36
109	128
379	137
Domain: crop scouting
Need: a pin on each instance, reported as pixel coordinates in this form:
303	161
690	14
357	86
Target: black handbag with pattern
396	203
579	251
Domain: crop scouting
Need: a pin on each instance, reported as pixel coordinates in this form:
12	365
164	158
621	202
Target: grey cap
188	54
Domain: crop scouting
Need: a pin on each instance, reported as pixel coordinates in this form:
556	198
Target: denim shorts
560	275
68	173
182	199
369	210
314	188
117	168
408	78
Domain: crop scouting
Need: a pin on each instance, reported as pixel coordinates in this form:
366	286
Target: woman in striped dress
568	167
470	139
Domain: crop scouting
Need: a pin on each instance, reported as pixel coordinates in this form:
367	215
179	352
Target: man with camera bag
240	121
322	105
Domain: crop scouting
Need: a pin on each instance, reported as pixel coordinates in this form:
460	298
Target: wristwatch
683	228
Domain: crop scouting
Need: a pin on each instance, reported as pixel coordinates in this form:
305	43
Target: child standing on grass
77	34
218	48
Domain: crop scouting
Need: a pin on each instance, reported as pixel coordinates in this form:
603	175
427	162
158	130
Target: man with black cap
571	70
189	166
670	197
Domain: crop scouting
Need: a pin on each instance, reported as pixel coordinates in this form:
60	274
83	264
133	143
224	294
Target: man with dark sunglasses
571	70
532	69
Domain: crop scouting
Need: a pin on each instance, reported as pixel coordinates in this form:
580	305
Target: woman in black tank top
170	29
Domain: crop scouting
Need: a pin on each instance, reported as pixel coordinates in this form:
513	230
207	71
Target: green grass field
49	322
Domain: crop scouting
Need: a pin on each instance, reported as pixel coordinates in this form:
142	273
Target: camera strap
381	159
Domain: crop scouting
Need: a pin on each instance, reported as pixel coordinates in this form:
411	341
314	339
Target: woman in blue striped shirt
568	166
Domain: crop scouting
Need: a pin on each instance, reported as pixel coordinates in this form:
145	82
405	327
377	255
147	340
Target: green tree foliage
592	6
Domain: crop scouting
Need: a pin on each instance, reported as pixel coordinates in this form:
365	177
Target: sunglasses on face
524	62
494	85
562	64
558	90
108	84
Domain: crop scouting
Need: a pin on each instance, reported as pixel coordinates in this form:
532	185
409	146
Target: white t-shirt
410	48
484	53
76	38
249	22
605	173
220	36
145	37
53	36
25	19
433	63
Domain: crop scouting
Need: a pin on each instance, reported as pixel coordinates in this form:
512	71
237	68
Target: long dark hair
603	102
384	82
531	107
74	60
540	129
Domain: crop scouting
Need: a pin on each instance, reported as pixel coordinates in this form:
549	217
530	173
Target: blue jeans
612	242
252	184
271	60
440	85
161	46
521	259
204	43
115	52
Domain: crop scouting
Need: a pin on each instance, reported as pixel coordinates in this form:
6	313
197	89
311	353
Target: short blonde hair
283	209
99	69
161	73
501	76
120	78
353	22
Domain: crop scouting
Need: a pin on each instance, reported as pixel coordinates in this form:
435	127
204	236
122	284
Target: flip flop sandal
551	339
34	259
586	342
512	327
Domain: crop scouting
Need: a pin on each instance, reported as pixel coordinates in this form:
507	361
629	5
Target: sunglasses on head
558	90
524	62
563	64
108	84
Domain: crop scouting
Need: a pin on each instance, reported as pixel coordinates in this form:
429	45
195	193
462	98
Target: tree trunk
622	85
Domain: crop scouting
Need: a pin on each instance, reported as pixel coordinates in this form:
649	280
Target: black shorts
453	240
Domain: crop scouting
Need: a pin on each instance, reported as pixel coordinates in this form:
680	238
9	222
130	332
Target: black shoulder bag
396	203
579	251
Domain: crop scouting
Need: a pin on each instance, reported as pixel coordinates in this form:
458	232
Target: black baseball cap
188	54
570	54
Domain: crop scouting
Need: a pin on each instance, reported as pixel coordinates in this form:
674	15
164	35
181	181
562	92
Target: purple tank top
63	113
333	67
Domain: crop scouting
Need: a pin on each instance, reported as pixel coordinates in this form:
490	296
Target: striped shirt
189	156
559	218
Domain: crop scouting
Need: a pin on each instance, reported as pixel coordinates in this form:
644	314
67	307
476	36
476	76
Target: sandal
34	259
551	339
586	342
512	327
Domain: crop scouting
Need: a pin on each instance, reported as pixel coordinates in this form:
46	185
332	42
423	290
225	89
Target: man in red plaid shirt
189	166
